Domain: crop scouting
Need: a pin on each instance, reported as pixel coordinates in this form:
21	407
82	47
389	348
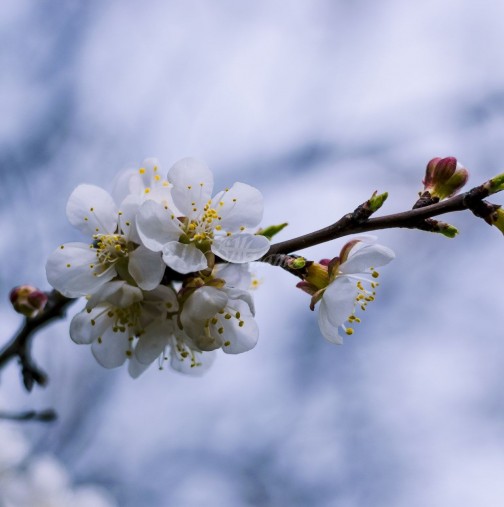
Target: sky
316	103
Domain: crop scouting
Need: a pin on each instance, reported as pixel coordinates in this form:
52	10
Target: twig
351	223
19	346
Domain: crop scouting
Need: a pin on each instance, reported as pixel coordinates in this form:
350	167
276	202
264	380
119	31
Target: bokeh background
317	103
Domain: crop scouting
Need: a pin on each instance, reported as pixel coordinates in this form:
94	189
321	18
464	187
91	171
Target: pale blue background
317	103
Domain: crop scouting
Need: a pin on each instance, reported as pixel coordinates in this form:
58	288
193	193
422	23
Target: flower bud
444	177
496	184
497	219
28	300
376	201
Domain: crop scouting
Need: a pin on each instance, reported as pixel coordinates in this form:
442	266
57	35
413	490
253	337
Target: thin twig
47	415
350	224
19	345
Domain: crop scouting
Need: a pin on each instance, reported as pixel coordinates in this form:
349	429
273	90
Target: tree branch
353	223
20	344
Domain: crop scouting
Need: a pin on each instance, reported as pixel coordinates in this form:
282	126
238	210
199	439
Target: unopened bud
444	177
297	263
376	201
495	184
497	219
28	300
447	230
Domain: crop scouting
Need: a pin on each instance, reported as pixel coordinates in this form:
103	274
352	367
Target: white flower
220	318
200	223
143	183
339	284
119	317
78	269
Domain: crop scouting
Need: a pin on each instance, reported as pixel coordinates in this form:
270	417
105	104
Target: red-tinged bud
444	177
28	300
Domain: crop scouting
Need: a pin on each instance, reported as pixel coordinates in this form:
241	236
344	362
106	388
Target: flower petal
153	342
92	210
146	267
240	206
86	326
329	331
184	258
240	248
112	348
71	270
365	257
235	275
202	362
157	225
117	293
240	335
135	367
192	185
339	300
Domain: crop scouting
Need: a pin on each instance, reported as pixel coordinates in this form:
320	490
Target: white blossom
119	318
196	223
347	289
77	269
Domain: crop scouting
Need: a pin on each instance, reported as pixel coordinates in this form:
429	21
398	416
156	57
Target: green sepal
272	230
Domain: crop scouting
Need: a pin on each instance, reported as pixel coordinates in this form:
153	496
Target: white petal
240	248
240	295
87	326
118	293
235	275
112	349
366	257
339	299
157	225
69	270
328	330
152	343
201	305
146	267
92	210
135	367
121	184
192	185
241	205
204	361
127	217
163	295
240	338
184	258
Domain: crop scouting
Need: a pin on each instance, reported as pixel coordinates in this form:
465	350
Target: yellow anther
241	323
228	234
375	274
189	187
227	316
242	228
220	330
227	343
234	200
349	331
141	170
128	353
62	246
147	190
86	219
217	228
91	209
68	265
157	177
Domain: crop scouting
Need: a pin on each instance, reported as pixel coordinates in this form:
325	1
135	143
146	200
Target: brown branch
353	223
20	344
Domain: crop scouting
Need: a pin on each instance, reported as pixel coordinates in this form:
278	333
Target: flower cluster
149	270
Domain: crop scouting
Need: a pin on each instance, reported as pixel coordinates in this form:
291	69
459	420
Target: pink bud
28	300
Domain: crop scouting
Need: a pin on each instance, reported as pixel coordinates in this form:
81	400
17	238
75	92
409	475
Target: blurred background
317	103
